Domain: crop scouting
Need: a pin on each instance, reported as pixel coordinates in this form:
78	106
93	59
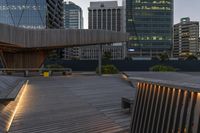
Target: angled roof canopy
51	38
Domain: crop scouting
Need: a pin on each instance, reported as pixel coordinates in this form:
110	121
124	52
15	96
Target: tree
163	56
107	55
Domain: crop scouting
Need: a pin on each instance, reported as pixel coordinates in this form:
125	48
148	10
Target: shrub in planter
53	66
108	69
162	68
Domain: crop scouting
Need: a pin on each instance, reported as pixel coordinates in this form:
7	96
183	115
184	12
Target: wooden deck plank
75	104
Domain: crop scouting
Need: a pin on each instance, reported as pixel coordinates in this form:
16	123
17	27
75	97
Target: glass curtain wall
23	13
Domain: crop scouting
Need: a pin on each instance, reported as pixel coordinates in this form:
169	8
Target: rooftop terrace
80	103
73	104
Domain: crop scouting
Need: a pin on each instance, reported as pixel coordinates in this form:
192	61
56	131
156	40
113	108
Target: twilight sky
183	8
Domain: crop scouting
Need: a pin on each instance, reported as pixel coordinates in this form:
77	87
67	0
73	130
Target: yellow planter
46	74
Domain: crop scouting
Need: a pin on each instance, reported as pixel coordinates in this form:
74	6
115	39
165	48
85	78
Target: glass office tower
150	25
73	16
34	14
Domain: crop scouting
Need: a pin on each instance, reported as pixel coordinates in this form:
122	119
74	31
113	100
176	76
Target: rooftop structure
31	44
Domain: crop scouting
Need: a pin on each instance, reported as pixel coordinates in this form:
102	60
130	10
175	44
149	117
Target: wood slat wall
31	38
163	109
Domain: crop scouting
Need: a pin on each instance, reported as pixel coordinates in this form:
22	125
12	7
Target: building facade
150	25
73	16
91	53
186	38
105	15
73	19
34	14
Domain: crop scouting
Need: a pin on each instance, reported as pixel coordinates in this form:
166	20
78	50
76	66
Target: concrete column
100	59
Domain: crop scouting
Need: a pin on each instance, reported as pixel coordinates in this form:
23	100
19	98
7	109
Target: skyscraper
105	15
73	19
186	38
150	24
32	13
73	16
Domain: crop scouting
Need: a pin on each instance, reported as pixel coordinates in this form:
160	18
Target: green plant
52	66
107	55
191	57
162	68
163	56
108	69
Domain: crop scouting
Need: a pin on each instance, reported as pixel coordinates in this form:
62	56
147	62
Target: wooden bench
127	103
9	71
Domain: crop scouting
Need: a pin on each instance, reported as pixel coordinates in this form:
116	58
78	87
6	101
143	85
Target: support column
2	59
100	59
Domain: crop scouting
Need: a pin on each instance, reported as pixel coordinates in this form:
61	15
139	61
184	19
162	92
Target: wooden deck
73	104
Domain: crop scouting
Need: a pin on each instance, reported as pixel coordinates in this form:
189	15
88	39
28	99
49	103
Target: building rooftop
73	104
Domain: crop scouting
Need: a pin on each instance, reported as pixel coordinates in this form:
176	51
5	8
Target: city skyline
183	8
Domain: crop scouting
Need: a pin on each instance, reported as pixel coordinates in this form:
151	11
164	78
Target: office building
105	15
35	14
91	53
150	25
73	19
186	38
73	16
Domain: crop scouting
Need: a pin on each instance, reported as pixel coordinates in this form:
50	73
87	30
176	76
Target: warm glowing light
151	86
138	84
143	87
17	106
124	76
